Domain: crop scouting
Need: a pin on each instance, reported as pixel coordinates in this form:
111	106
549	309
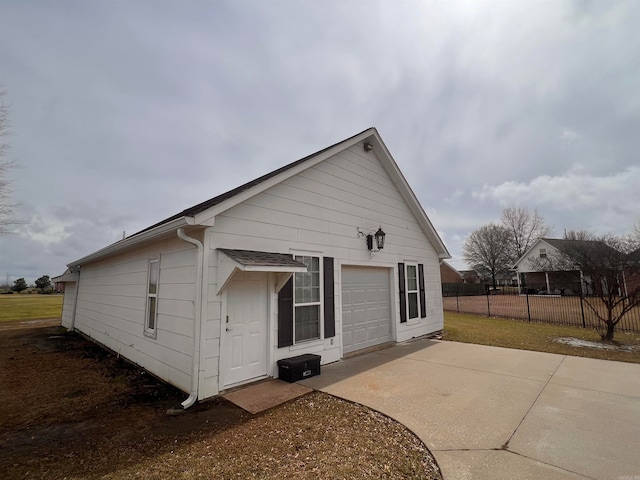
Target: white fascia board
204	217
405	190
277	269
133	241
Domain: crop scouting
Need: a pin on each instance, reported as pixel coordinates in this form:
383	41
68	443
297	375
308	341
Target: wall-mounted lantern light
375	241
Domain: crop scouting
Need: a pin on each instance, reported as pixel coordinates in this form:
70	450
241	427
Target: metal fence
565	305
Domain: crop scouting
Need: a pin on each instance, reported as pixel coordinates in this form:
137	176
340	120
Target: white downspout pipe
75	300
197	321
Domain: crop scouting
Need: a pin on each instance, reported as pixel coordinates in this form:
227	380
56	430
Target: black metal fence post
488	303
457	301
526	294
584	323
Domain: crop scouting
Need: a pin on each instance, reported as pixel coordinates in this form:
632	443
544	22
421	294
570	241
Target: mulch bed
69	409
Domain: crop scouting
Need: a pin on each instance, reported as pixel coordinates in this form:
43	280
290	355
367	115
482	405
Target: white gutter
134	240
197	321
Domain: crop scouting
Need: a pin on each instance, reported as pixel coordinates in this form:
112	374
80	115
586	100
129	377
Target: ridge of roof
201	207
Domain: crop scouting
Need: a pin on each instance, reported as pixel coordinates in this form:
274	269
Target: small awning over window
232	261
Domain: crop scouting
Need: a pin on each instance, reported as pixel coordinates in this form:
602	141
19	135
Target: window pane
413	305
307	323
307	284
153	277
151	321
412	283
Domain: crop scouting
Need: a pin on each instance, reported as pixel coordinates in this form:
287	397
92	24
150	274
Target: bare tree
488	250
579	235
525	228
609	271
7	209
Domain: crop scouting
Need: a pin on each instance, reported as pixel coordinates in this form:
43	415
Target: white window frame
298	257
151	331
543	253
407	291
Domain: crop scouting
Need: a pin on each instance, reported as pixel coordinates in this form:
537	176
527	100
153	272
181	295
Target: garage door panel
366	307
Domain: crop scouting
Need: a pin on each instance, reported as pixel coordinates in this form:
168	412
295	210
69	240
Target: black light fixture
377	237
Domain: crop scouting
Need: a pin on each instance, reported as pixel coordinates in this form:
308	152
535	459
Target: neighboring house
60	281
284	265
448	274
470	276
507	279
538	270
632	273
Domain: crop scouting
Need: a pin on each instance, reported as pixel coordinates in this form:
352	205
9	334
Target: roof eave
409	196
134	240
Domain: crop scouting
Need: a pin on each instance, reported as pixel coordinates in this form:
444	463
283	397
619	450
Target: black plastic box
298	368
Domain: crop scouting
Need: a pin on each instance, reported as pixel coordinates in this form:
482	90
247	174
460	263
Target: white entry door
245	328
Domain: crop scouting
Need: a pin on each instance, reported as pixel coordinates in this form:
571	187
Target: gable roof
212	202
204	212
571	248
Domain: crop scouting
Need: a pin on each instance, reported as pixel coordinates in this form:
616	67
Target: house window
152	299
413	300
306	300
543	253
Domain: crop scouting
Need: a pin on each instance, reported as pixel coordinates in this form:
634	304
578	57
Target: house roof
634	256
571	248
212	202
453	269
261	259
203	213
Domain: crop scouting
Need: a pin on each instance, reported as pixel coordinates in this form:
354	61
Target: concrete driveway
497	413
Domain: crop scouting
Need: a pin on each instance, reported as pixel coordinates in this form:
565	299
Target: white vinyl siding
319	210
68	304
112	308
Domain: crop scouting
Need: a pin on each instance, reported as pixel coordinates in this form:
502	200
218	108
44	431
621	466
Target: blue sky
124	113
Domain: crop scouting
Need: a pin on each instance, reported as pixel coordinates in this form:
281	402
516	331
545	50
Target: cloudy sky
126	112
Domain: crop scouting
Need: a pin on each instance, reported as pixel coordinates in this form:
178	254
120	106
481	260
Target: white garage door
366	307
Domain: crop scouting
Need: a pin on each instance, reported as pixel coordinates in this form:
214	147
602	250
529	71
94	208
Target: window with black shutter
412	292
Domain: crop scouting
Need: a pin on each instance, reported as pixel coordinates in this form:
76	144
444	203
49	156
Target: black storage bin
300	367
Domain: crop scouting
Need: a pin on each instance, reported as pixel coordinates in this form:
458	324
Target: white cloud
44	230
569	135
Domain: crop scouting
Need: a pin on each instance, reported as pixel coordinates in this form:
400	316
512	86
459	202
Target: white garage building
328	255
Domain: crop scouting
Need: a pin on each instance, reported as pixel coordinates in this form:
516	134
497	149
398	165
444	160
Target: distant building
449	274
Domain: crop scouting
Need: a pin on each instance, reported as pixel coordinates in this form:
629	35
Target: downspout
75	300
197	321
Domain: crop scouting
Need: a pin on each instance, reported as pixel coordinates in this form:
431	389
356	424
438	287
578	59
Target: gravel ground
68	409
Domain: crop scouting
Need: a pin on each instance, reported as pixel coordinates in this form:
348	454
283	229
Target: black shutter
285	315
403	296
423	301
329	302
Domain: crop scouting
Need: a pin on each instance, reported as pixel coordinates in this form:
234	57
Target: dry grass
70	410
541	337
30	307
557	310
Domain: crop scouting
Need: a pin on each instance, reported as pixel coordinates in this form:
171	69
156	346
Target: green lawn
30	307
500	332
